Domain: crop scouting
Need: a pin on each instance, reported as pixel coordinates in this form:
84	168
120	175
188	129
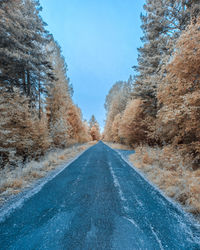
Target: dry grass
164	167
147	159
13	184
118	146
13	181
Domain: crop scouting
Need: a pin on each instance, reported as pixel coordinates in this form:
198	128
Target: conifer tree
24	62
92	121
94	129
33	72
162	24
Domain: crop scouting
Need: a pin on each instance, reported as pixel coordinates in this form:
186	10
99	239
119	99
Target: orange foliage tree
78	130
115	108
94	129
132	129
95	133
179	96
115	129
21	131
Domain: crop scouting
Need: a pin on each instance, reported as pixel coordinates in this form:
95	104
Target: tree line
37	112
159	106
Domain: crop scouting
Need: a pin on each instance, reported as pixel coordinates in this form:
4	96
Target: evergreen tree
162	24
92	121
33	70
94	129
24	62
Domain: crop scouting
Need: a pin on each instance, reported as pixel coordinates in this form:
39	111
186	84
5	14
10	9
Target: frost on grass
13	181
165	168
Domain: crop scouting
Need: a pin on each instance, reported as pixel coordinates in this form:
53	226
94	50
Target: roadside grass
165	168
13	181
118	146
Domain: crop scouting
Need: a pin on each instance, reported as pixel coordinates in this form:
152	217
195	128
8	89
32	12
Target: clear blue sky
99	40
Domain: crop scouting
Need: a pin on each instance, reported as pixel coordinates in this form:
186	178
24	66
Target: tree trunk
28	84
24	80
39	89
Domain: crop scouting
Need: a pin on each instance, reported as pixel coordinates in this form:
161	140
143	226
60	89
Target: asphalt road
98	202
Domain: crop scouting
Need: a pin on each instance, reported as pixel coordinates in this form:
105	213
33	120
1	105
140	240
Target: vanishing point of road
98	202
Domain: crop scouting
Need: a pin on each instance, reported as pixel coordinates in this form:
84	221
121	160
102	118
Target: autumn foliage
22	133
172	117
37	112
161	119
132	129
94	130
179	96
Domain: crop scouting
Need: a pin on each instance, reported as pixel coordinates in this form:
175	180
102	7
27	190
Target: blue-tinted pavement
98	202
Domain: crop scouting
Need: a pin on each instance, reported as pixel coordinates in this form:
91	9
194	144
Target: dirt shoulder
14	181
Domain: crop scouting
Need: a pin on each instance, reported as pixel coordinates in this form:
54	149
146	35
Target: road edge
178	206
18	200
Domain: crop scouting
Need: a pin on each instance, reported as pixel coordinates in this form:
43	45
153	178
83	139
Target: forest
64	183
36	106
157	112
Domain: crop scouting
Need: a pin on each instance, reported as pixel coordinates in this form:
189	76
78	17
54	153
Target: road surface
98	202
